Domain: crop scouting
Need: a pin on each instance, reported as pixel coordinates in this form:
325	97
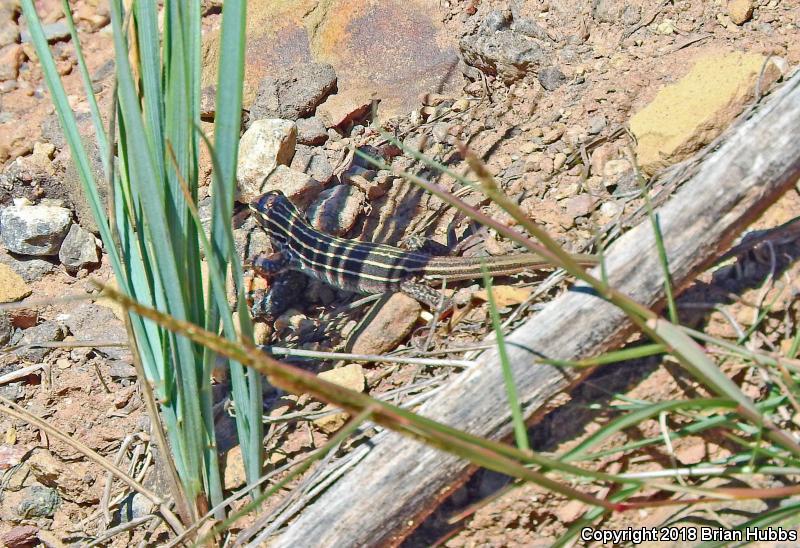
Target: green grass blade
517	418
246	383
636	417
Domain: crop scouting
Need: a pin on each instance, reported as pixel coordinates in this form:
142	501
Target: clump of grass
154	242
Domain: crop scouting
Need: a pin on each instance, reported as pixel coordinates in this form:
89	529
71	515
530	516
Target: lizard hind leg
426	295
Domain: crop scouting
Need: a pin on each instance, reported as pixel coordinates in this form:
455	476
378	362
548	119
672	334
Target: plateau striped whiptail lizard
367	267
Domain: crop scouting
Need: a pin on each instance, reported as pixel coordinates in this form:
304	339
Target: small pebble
740	11
559	160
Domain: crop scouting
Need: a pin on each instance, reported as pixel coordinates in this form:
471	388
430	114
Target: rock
313	162
374	186
208	99
616	170
30	268
45	467
264	146
79	249
345	107
49	331
34	229
121	370
390	326
690	113
311	131
38	501
11	456
597	123
336	210
90	321
551	78
495	20
234	475
350	376
610	210
559	159
740	11
294	93
553	134
607	11
296	185
6	329
11	57
9	31
76	482
70	186
14	392
133	506
508	53
529	27
54	32
579	206
21	536
412	55
12	287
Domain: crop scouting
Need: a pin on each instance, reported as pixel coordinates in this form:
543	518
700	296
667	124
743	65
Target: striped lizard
367	267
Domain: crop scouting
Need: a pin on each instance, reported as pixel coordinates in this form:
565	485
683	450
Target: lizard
368	267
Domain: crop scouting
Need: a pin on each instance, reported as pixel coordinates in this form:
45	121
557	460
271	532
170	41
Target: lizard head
276	214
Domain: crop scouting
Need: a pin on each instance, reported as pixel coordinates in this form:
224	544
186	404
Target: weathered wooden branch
399	481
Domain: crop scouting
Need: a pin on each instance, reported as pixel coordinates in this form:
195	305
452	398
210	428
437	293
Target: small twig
20	373
121	528
104	500
646	21
280	351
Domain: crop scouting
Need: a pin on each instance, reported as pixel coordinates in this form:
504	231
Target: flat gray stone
90	321
49	331
38	502
294	92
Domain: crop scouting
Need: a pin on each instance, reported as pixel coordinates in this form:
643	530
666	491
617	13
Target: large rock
398	48
692	112
264	146
295	93
30	269
34	229
78	250
38	501
296	185
497	47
